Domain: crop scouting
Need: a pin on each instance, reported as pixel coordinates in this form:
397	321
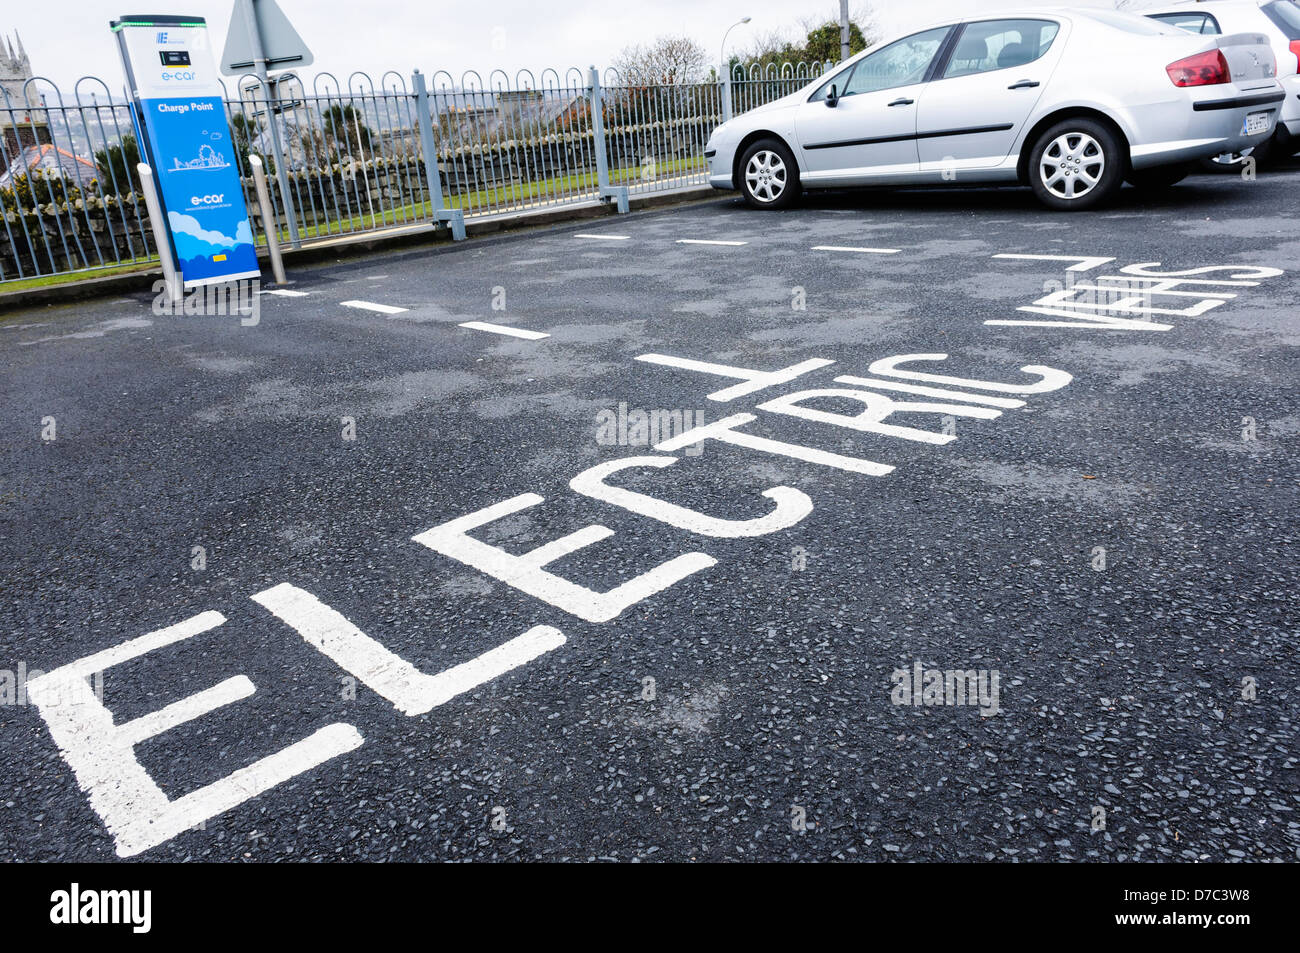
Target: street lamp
722	52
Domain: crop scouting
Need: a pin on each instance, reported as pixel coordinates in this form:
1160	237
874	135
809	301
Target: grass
502	198
67	277
499	198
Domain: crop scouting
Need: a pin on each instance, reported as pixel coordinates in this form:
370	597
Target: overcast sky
67	39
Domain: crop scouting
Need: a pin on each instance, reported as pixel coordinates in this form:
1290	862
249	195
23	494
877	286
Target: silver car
1072	102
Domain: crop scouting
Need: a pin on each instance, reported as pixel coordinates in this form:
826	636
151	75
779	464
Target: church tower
21	121
15	71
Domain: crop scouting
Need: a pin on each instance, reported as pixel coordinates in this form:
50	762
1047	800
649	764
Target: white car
1072	102
1280	21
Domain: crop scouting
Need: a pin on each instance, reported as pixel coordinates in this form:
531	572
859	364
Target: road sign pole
259	68
844	30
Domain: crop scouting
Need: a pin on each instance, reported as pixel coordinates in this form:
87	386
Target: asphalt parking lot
1108	538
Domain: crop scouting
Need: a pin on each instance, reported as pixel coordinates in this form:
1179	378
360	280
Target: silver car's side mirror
831	98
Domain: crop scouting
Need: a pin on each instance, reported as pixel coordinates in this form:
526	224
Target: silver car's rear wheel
766	176
1077	164
1072	165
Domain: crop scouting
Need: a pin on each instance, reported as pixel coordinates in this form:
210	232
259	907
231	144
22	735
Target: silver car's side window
901	63
1000	44
839	81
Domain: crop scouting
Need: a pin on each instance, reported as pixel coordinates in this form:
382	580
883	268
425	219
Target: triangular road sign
281	44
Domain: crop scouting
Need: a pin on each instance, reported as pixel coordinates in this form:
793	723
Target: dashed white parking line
853	248
371	306
284	293
502	329
706	241
603	238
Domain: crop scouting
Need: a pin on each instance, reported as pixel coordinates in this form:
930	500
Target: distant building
51	161
22	122
469	116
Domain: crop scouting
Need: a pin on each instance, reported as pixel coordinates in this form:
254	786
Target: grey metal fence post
606	191
260	68
424	117
724	90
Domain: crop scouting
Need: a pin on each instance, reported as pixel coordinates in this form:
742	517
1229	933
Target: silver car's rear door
970	115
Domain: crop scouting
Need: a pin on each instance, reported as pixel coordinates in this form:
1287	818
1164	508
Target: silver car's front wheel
766	176
1072	165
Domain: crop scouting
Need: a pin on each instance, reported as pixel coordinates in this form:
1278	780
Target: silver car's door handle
902	102
1023	84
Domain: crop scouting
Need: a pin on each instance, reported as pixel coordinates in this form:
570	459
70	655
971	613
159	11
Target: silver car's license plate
1257	123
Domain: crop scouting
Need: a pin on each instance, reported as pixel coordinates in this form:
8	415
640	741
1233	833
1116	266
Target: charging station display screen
173	74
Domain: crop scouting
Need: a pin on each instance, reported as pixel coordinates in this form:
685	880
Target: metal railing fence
356	156
756	85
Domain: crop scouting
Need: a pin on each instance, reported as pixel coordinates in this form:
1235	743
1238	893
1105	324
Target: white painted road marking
525	573
132	806
706	241
929	391
791	505
187	709
520	650
603	238
411	691
1081	262
1130	284
284	293
1052	378
868	251
371	306
876	407
1127	304
502	329
139	815
754	380
725	431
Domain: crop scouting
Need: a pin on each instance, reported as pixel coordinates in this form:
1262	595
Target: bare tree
670	60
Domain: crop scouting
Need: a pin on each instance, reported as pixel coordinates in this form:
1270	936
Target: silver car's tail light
1204	69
